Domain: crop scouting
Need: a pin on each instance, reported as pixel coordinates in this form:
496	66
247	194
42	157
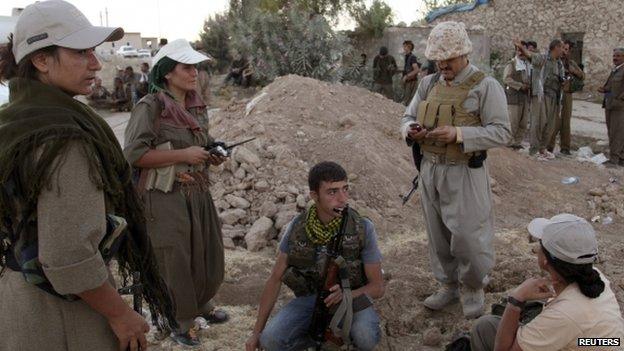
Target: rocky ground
300	121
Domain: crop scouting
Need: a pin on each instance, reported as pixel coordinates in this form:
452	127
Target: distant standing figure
384	67
613	104
411	69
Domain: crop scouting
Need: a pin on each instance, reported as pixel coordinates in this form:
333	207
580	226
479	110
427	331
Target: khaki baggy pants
519	118
552	107
457	206
539	125
562	124
615	129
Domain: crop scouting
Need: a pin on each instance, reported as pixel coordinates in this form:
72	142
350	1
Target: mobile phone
416	126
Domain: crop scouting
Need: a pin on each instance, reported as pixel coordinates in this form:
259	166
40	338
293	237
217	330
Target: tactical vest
305	266
516	97
444	107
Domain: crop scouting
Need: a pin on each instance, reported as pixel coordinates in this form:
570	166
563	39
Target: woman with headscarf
66	194
165	141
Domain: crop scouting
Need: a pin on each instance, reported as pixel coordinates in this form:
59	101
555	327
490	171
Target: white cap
567	237
57	22
181	51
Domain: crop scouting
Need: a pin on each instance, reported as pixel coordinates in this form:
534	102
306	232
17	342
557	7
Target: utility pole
106	11
101	24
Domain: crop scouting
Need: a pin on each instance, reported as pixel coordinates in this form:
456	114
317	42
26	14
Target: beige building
130	38
596	26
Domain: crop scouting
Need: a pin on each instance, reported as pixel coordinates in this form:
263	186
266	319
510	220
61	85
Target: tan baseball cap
180	50
567	237
448	40
57	22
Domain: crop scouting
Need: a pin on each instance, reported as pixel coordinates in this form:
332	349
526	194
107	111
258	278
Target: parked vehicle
127	51
144	53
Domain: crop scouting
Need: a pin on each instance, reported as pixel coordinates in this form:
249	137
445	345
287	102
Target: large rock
229	243
234	233
283	218
237	202
268	209
231	217
262	185
259	234
244	155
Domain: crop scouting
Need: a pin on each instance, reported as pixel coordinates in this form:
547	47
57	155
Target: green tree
214	38
372	21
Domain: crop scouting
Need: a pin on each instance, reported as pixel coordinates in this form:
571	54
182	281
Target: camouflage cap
448	40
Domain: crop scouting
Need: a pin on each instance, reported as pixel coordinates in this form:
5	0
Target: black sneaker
566	152
217	316
187	339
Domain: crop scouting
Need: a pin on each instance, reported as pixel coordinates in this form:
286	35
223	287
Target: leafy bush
215	39
372	21
290	43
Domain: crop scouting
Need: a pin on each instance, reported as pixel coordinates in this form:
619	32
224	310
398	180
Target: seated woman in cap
582	304
63	182
164	141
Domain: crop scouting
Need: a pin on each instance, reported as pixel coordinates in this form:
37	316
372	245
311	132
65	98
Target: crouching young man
298	266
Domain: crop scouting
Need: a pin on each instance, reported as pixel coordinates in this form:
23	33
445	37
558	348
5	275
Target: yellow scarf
316	231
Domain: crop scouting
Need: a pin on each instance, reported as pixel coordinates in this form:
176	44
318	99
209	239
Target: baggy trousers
562	124
519	118
539	125
552	107
615	129
457	206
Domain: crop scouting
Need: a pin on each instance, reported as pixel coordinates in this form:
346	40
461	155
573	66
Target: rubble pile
606	202
298	122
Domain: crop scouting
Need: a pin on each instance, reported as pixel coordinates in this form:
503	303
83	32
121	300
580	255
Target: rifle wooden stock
319	327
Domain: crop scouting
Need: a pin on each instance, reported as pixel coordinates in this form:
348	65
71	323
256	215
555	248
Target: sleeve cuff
460	137
404	129
78	277
134	151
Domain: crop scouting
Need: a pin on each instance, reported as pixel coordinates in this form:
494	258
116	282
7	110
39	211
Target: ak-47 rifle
222	149
319	328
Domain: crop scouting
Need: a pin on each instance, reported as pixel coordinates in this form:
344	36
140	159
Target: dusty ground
316	121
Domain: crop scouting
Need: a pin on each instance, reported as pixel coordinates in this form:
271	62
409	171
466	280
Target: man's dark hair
129	68
410	44
532	43
325	171
554	43
587	278
363	55
383	50
569	42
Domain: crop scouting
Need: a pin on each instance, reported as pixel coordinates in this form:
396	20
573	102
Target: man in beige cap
581	302
455	117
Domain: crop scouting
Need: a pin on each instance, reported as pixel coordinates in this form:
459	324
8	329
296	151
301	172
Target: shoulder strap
432	82
473	80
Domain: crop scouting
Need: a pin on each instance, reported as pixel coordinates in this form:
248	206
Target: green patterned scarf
319	233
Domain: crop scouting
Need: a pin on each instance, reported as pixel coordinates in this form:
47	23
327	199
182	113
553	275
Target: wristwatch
514	302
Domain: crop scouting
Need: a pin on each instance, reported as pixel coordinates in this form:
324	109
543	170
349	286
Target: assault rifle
222	149
319	328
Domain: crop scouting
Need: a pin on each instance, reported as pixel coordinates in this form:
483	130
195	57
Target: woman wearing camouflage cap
165	140
65	194
455	116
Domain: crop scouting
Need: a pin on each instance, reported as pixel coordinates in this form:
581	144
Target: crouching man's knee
365	330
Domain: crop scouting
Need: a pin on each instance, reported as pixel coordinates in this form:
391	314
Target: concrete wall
601	21
393	38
